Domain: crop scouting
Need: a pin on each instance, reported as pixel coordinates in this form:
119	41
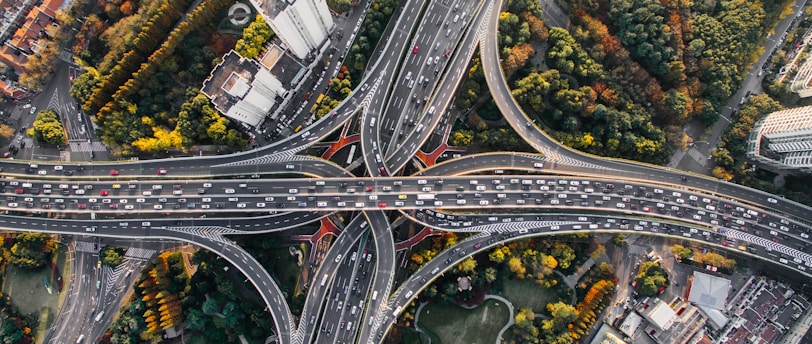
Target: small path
511	319
417	317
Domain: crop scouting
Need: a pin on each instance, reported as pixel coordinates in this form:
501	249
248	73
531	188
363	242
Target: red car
6	154
113	172
647	209
113	206
414	51
162	171
369	188
104	192
18	191
82	206
382	205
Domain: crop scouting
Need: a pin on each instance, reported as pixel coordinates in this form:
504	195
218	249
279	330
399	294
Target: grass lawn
286	270
459	325
527	294
29	295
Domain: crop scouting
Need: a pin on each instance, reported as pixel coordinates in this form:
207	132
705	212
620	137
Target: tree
468	265
517	266
681	251
47	128
253	38
340	6
111	256
31	250
650	278
490	274
6	131
462	138
499	254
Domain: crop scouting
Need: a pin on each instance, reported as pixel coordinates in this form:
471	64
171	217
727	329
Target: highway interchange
352	297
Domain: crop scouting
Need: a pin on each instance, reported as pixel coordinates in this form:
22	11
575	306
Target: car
478	245
58	168
382	205
370	188
104	193
113	172
772	200
338	258
6	154
414	50
162	171
42	172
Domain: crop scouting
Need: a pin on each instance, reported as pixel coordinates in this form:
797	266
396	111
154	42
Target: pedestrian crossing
84	246
84	146
137	253
66	56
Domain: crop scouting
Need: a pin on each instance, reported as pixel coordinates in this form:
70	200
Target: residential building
782	141
303	25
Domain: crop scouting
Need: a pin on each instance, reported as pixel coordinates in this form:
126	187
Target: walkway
409	243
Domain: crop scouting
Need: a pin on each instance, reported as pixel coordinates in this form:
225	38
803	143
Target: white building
304	25
783	140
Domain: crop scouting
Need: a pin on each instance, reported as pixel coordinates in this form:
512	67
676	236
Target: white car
240	205
772	200
58	168
157	207
129	207
260	205
42	172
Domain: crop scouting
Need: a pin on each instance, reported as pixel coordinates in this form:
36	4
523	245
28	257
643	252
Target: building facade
303	25
782	141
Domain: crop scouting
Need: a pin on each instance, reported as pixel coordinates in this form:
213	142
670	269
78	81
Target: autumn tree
47	128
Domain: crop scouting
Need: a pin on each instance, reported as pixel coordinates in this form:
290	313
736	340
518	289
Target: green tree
112	256
31	250
650	278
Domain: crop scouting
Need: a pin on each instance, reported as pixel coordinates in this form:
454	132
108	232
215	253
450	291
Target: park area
528	294
30	294
449	324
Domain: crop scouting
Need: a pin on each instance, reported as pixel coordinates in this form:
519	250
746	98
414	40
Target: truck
426	196
397	311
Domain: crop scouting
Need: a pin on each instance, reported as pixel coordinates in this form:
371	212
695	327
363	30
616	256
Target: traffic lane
383	277
316	294
385	196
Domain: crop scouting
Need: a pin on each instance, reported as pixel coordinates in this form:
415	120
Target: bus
351	155
320	98
324	280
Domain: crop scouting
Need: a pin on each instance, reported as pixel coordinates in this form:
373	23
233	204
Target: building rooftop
242	89
658	313
709	291
716	318
630	324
